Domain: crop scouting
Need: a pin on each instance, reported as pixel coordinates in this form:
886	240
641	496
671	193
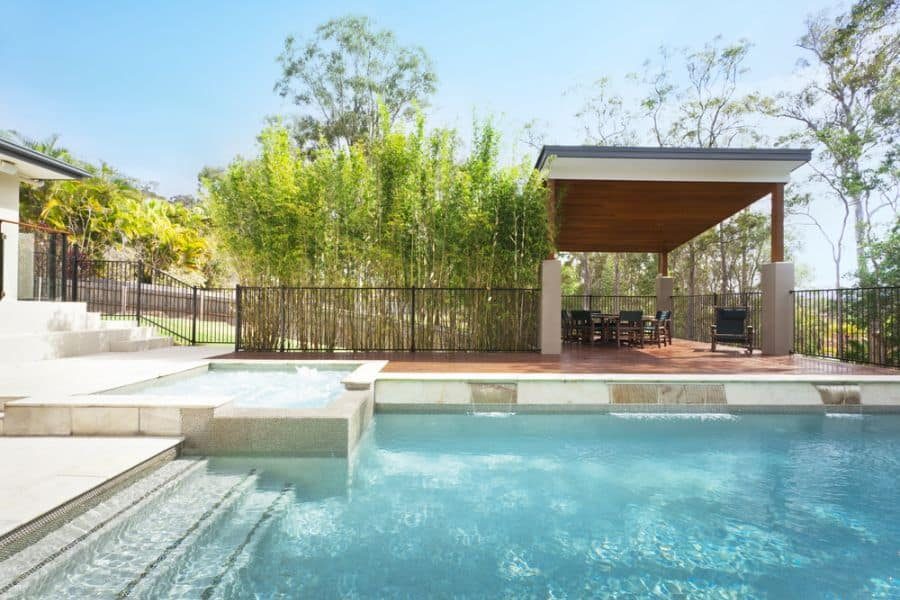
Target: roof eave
32	157
797	155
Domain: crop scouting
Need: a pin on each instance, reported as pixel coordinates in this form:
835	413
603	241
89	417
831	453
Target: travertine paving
97	372
38	474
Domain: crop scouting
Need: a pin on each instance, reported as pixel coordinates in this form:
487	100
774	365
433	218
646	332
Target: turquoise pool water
519	506
261	385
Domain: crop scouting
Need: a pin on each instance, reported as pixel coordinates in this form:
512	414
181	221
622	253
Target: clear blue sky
160	89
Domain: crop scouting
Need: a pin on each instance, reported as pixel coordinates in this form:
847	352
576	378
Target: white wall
551	305
9	210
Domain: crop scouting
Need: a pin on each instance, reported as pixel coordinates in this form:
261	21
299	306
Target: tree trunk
586	279
616	260
723	260
862	266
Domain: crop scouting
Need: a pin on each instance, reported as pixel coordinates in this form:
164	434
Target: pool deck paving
97	372
39	474
683	357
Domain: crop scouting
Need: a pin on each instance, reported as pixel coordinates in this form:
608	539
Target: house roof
29	164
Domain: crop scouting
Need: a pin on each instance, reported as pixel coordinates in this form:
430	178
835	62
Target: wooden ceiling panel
644	216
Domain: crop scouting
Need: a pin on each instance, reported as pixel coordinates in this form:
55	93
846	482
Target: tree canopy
849	111
341	77
110	214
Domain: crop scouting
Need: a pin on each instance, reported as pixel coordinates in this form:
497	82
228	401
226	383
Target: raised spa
254	385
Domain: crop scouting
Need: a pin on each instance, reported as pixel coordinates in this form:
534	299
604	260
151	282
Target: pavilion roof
638	199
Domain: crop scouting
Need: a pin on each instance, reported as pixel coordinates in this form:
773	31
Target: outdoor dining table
607	322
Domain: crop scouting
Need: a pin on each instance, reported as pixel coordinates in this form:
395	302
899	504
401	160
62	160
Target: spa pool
254	385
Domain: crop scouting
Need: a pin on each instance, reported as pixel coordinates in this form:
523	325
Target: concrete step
117	324
39	317
141	344
26	347
92	320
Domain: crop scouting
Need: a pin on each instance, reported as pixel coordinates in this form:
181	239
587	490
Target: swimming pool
521	506
252	386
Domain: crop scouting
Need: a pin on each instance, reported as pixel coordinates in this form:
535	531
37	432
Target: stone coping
341	407
64	470
501	377
360	378
649	409
116	381
126	401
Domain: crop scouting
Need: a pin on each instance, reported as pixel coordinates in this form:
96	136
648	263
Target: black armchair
731	328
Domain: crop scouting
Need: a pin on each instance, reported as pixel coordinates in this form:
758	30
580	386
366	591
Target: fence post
282	319
138	301
194	316
237	318
75	267
412	315
51	268
65	261
840	323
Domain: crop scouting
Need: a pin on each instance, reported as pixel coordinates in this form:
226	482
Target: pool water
275	386
524	507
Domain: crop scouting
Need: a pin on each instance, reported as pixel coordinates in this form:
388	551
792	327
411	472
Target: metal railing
43	261
849	324
129	290
288	319
693	315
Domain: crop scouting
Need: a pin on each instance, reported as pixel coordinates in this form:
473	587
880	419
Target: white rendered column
777	308
551	307
9	211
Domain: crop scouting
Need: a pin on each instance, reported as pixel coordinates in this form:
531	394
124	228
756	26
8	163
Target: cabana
633	199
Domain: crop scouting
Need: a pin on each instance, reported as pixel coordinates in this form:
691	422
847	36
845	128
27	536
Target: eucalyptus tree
687	98
343	73
849	109
886	258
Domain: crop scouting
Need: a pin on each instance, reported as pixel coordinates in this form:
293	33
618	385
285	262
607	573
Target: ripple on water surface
534	506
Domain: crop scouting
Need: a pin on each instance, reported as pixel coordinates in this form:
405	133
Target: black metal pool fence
325	319
848	324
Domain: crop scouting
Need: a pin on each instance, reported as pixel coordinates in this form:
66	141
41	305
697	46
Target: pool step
206	559
137	546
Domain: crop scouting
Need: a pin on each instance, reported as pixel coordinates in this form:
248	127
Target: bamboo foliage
404	209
